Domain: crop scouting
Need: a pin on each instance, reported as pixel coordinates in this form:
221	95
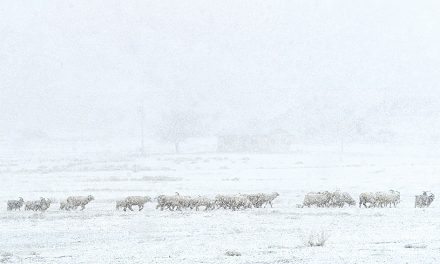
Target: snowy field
100	234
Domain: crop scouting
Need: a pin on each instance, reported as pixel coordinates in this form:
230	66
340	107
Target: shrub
316	239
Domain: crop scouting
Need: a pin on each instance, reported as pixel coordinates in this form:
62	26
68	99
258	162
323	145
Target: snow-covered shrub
415	246
316	239
232	253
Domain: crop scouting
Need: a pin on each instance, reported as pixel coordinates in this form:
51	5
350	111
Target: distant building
278	141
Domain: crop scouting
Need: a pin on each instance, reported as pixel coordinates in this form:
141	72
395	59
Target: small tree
176	127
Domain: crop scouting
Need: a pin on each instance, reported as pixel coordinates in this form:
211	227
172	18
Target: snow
101	234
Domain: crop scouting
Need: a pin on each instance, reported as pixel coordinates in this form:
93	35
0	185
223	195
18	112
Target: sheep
384	199
45	204
256	199
367	199
379	199
15	204
137	200
320	199
75	201
223	201
31	205
335	199
121	204
184	202
234	202
424	200
161	202
179	202
339	199
228	201
393	198
268	198
171	202
240	202
346	198
430	199
64	205
39	205
208	203
328	199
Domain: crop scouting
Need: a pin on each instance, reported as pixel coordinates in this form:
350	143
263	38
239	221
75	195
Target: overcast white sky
83	67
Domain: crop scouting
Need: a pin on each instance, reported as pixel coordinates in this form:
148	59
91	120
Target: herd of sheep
231	202
367	199
328	199
379	199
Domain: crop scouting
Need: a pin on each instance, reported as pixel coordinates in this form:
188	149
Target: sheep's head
90	198
20	199
276	194
147	198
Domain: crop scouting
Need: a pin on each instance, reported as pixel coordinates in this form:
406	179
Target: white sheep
15	204
240	202
64	205
75	201
233	202
268	198
171	202
394	198
424	200
367	199
257	199
121	204
206	202
384	199
347	199
136	200
319	199
226	201
39	205
184	201
379	199
330	199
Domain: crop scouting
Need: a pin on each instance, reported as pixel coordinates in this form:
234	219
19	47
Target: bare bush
232	253
415	246
316	239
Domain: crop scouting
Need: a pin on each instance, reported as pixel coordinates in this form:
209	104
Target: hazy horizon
83	69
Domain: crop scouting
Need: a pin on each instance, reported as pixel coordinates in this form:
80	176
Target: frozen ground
100	234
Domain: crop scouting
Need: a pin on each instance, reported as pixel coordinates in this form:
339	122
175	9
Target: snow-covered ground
100	234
